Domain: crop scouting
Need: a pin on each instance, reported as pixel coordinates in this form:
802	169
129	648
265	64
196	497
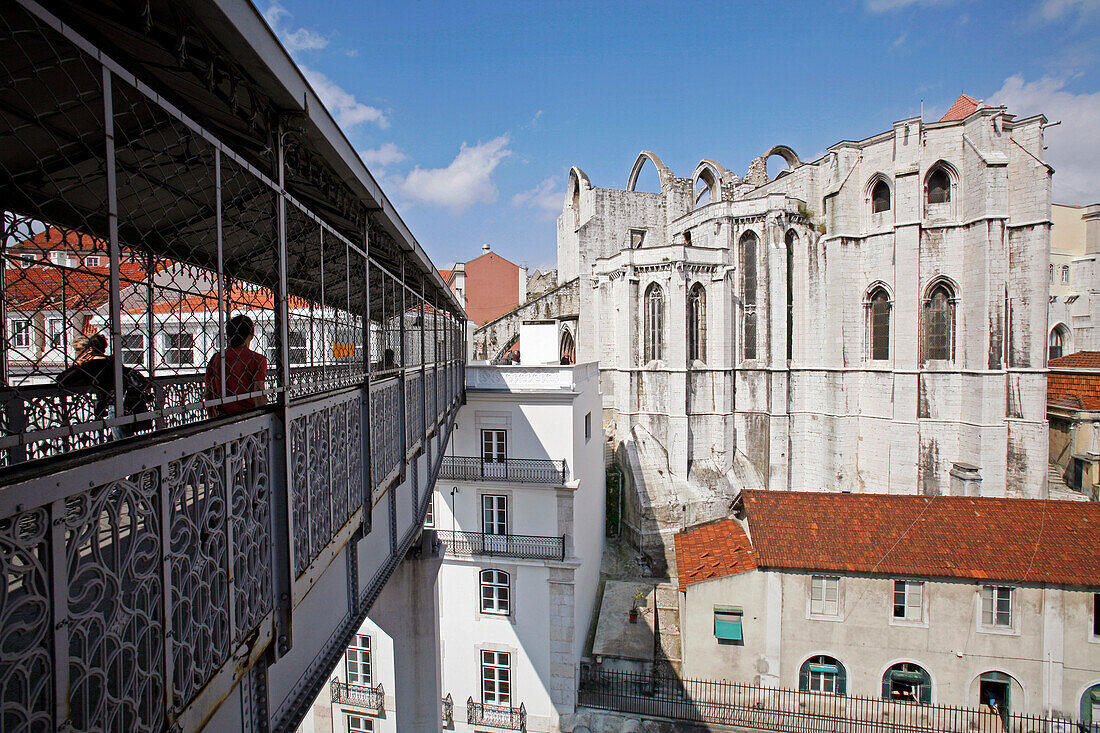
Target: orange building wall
492	287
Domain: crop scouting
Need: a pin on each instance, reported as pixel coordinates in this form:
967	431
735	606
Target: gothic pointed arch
786	153
664	173
710	175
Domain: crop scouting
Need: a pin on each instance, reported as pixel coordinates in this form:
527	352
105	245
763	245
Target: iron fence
520	546
142	578
496	716
513	470
364	696
448	710
792	711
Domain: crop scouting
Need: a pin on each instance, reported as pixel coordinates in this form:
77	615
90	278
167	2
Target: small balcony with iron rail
516	546
505	470
496	716
361	696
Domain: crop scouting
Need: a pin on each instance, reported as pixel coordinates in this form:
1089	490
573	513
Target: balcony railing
520	546
363	696
496	716
777	710
448	710
516	470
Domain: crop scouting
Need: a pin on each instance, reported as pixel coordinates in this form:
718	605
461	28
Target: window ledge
998	630
825	617
908	624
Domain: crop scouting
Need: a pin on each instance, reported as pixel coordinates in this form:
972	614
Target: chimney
966	480
1092	229
485	248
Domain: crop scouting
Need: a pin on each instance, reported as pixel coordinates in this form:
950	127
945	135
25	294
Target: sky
470	115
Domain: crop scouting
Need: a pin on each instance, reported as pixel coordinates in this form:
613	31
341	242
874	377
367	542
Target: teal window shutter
727	626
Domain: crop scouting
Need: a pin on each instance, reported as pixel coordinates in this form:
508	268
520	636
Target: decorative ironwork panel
385	445
496	716
320	488
364	696
115	599
432	412
198	552
250	511
338	463
354	444
414	410
299	492
26	639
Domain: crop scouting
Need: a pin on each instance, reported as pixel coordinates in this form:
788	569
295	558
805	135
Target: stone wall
494	338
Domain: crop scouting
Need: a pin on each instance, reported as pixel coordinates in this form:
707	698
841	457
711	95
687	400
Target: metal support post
112	238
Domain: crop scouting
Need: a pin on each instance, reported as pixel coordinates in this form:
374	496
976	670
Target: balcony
363	696
496	716
510	470
518	546
448	708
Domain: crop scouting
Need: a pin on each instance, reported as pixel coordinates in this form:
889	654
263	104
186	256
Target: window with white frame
909	600
179	348
494	445
496	678
133	348
20	332
495	592
1096	615
357	661
997	606
823	674
494	514
358	723
825	595
429	515
1065	274
55	333
92	261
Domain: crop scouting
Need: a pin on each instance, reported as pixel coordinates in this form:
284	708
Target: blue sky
470	114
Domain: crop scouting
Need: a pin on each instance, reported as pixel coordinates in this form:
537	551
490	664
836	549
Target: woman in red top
245	370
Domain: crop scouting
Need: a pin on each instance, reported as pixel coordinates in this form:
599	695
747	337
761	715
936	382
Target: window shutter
804	677
886	678
841	680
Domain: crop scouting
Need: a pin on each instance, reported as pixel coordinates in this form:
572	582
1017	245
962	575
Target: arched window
568	348
1052	273
823	674
1090	706
907	682
880	197
748	294
939	186
495	592
995	690
697	323
792	241
878	323
1065	274
654	322
1057	343
939	324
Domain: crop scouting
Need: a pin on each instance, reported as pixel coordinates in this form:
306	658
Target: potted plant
639	597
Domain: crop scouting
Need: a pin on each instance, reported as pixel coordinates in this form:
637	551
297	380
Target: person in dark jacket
93	368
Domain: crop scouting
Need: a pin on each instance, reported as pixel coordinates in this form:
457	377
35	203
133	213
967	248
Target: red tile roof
1077	360
713	551
963	107
1007	540
1075	390
44	286
69	241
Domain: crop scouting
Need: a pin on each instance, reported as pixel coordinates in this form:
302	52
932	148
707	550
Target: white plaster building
1074	276
869	322
519	512
939	600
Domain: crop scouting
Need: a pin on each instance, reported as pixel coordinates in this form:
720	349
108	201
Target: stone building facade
1074	275
873	321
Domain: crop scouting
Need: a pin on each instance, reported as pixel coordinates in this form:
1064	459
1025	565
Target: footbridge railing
228	373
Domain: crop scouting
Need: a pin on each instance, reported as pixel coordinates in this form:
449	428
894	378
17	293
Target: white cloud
347	110
899	41
884	6
1055	9
463	183
382	156
545	197
1073	148
295	39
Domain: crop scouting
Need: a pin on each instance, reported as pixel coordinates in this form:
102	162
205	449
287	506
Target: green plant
639	597
805	211
821	228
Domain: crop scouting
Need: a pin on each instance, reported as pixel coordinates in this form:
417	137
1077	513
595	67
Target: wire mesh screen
145	285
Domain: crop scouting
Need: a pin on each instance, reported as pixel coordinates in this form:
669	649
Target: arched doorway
568	349
1090	707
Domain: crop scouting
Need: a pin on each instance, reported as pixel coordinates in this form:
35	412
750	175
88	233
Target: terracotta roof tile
1077	360
963	107
1011	540
713	551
